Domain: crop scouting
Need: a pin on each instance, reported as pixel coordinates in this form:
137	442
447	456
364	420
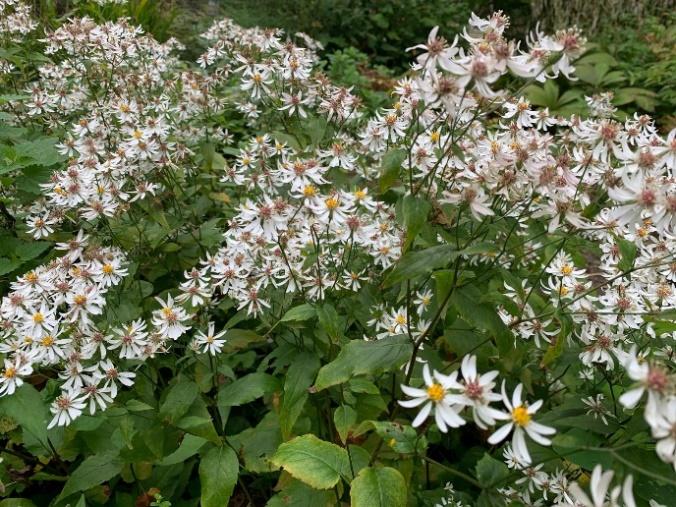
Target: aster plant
230	281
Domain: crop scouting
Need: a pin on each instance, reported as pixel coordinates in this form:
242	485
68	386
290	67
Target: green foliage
379	487
376	29
317	463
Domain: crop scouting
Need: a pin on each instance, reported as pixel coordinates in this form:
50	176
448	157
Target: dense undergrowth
270	274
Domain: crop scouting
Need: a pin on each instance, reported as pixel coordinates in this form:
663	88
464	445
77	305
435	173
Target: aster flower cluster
122	141
48	320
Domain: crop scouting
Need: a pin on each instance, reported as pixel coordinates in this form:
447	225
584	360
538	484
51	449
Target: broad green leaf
299	313
188	448
628	251
247	389
379	487
218	471
330	321
360	357
391	165
298	494
26	407
91	472
311	460
241	338
256	445
178	401
489	471
344	418
40	152
299	378
413	211
16	502
467	302
7	265
197	421
420	262
401	439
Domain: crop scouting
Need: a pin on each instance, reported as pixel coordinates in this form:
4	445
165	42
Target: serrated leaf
91	472
344	418
379	487
298	494
413	211
391	165
311	460
421	262
218	473
299	313
299	378
490	471
628	251
178	400
247	389
330	321
26	407
360	357
190	446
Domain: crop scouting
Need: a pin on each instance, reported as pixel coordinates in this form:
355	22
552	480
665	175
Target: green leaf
379	487
218	473
311	460
188	448
26	407
330	321
414	211
16	502
178	401
40	152
402	439
360	357
490	471
92	471
299	494
241	338
391	165
255	445
628	251
421	262
7	265
299	378
299	313
467	302
344	418
247	389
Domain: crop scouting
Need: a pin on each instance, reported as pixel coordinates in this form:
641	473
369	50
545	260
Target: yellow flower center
38	318
47	341
10	372
360	194
108	269
31	277
400	319
309	191
435	136
567	269
436	392
331	203
520	416
80	299
137	134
